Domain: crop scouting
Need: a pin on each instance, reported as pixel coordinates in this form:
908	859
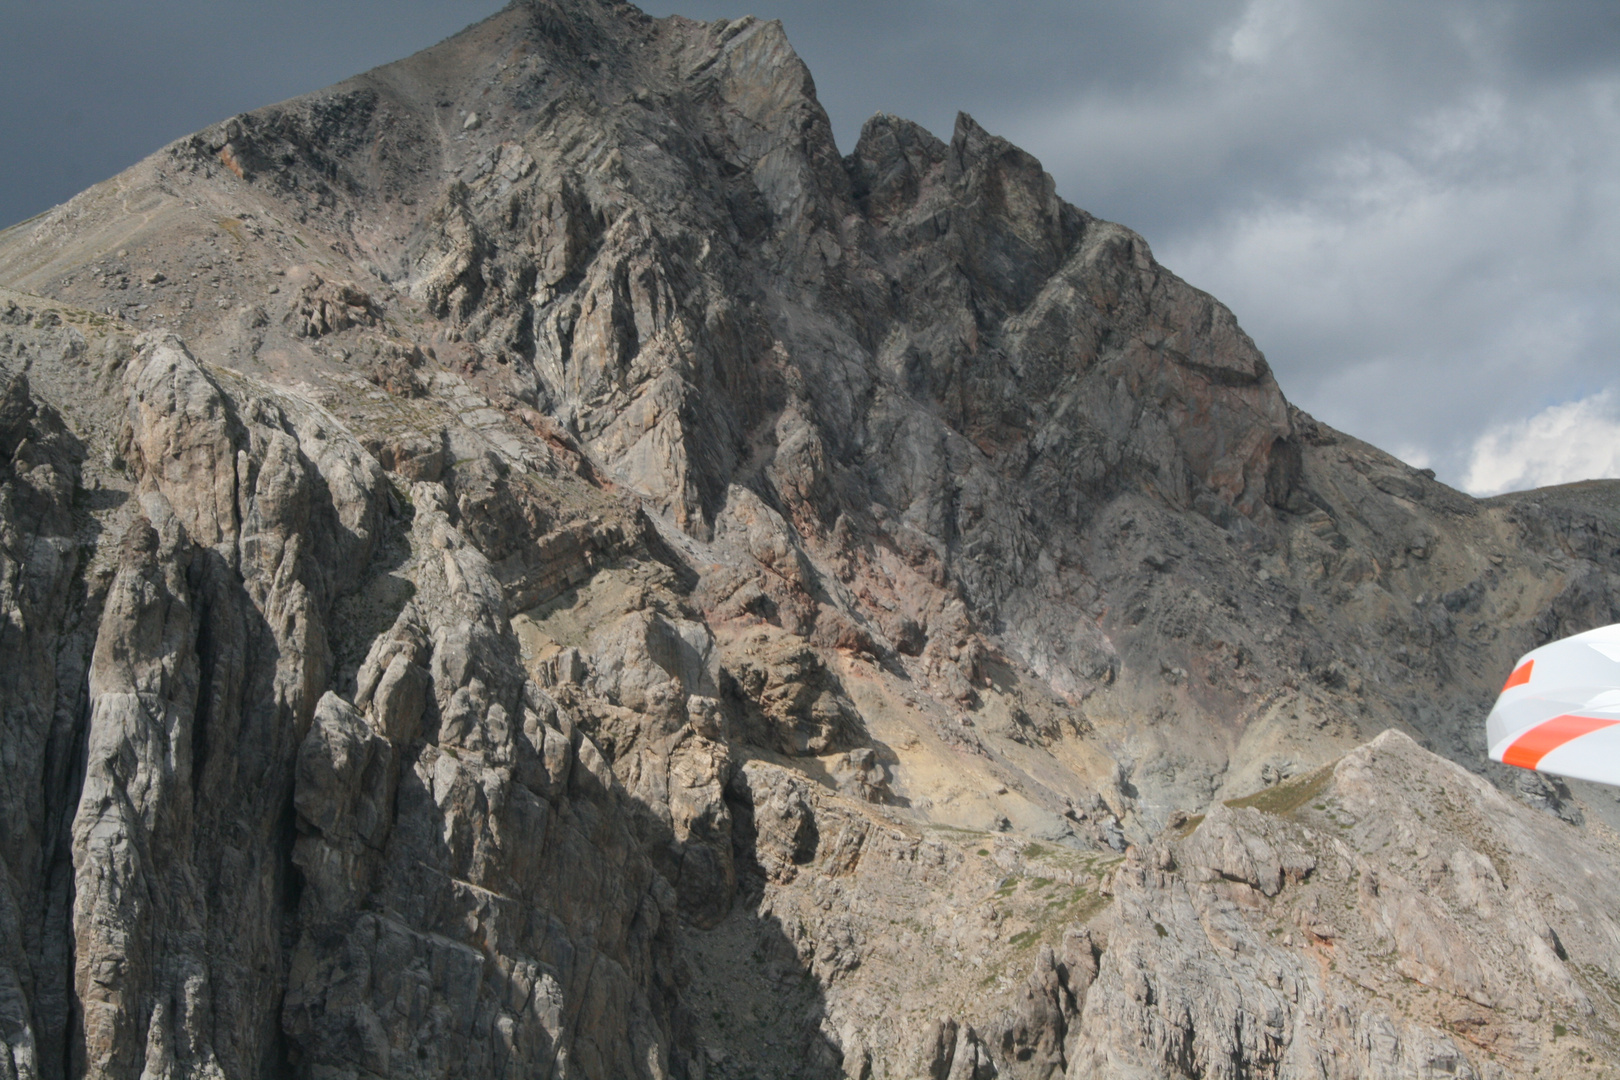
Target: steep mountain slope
529	560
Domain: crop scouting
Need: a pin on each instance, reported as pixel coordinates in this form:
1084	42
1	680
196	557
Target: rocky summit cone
529	562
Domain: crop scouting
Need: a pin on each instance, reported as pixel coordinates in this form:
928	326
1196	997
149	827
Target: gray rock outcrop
532	562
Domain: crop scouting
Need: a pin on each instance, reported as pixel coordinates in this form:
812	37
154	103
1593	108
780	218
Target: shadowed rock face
529	562
40	692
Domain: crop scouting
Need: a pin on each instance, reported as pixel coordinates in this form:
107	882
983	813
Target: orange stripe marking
1528	749
1520	676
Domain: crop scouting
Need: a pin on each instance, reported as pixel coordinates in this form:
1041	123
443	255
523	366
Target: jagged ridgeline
531	563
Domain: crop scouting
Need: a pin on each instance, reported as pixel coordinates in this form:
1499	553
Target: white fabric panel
1590	757
1579	675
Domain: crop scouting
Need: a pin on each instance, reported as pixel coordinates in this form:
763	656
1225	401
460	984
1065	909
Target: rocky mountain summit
530	562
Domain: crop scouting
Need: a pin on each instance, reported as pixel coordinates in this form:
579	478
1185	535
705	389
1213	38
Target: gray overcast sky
1414	208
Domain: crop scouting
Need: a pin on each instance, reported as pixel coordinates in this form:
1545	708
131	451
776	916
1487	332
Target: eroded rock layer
530	562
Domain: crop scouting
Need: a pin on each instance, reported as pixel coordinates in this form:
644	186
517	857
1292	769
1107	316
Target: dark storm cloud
1563	37
1414	208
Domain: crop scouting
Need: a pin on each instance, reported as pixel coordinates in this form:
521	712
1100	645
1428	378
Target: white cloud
1266	25
1578	440
1415	456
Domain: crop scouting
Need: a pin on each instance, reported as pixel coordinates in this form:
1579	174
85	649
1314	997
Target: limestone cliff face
529	562
41	704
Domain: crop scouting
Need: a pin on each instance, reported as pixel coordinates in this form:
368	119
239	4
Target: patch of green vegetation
1025	939
983	852
1061	857
1080	904
1067	909
1006	888
1559	1031
1158	928
1289	795
1040	882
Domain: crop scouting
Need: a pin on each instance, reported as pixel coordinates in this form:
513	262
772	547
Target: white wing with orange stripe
1560	709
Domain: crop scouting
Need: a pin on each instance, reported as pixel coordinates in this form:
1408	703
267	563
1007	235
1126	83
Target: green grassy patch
1289	795
1062	902
1061	857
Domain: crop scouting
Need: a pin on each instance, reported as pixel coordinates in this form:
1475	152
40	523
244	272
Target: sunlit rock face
530	562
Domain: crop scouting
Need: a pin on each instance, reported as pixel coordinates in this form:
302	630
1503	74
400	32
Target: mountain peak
559	570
